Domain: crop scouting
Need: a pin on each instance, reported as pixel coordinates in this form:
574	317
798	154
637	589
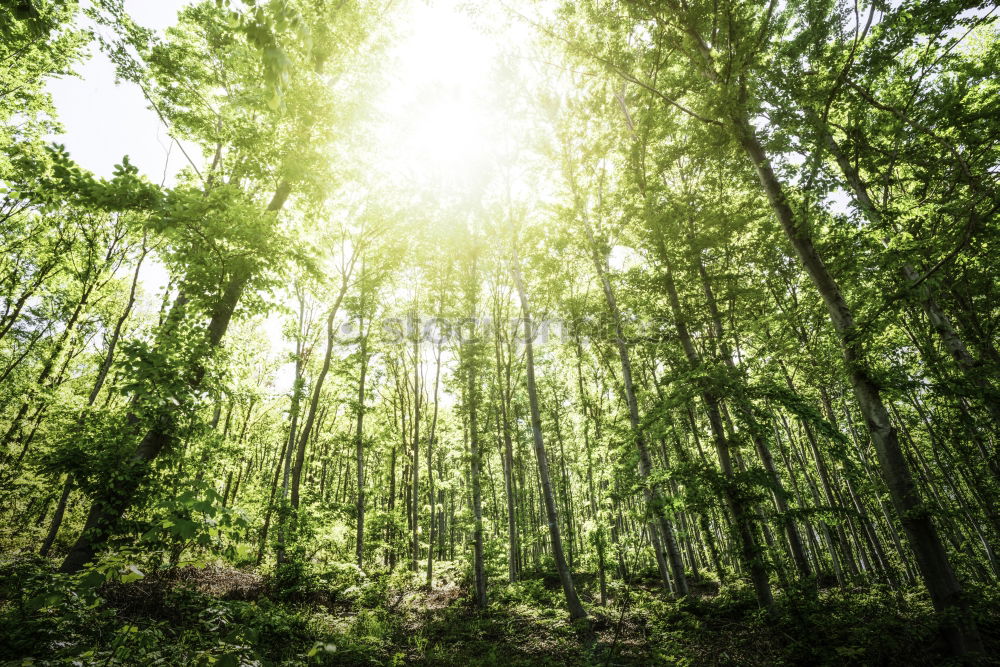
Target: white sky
434	113
440	66
104	121
440	75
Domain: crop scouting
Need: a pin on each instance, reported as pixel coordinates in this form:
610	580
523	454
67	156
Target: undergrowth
298	615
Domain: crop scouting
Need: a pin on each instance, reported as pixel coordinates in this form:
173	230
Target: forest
510	332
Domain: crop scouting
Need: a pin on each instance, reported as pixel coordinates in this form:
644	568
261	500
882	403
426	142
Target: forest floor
222	616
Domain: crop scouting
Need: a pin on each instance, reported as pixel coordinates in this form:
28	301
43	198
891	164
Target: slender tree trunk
576	610
278	465
975	373
415	467
652	492
310	419
286	464
102	375
508	460
431	441
750	551
756	430
472	399
359	453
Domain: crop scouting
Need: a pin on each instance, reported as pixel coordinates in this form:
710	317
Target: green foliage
761	240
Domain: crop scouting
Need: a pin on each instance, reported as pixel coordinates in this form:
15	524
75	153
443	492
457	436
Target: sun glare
436	110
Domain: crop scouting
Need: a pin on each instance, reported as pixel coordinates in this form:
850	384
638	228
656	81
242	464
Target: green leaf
184	528
44	600
132	573
92	579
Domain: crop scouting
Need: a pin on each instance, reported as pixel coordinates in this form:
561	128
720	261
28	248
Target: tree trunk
576	610
359	454
750	551
111	504
932	560
472	394
415	467
975	373
652	492
307	426
503	415
431	437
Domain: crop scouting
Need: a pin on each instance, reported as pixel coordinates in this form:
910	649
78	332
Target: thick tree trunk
57	518
932	560
108	508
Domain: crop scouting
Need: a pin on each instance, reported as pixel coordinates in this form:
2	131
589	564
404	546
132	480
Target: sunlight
436	112
447	135
406	319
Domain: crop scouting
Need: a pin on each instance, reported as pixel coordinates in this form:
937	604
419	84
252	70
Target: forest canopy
522	332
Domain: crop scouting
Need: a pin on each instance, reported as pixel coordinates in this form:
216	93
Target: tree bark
932	560
652	492
576	610
975	373
359	453
307	426
750	551
111	504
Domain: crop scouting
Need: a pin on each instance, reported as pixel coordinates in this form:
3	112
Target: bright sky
435	120
436	109
104	121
